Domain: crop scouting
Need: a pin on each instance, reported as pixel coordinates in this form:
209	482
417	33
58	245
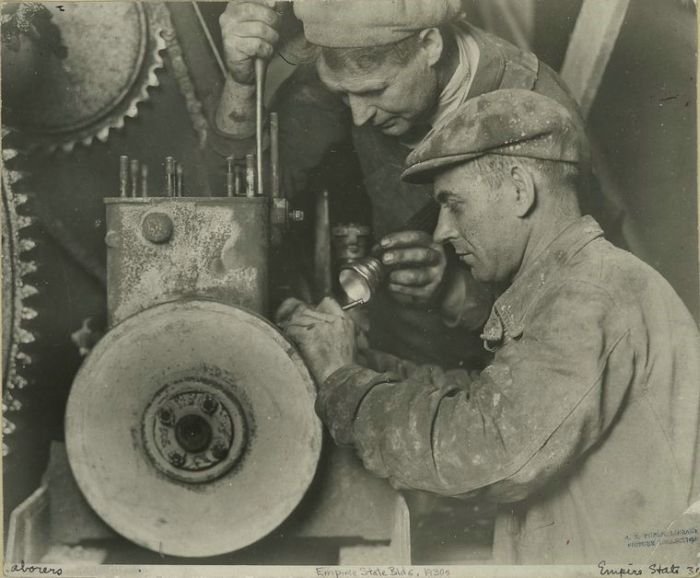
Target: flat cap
364	23
511	122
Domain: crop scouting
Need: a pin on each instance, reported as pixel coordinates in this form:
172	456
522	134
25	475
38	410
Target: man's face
391	97
475	218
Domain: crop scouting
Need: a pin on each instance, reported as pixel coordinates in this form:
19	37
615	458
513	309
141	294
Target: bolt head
176	459
157	227
219	451
165	416
112	239
210	405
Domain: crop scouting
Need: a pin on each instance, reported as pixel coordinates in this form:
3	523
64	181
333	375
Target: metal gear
80	98
16	291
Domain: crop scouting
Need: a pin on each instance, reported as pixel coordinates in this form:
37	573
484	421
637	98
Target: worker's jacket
583	428
312	120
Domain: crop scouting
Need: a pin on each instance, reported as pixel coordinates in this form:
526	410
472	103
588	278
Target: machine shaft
260	68
123	175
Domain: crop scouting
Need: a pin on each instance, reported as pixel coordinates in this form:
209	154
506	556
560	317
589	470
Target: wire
210	40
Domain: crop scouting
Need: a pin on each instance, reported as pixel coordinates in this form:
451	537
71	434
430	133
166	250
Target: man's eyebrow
361	88
444	196
366	85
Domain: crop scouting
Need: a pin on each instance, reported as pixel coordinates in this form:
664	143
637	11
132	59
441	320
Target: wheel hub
194	430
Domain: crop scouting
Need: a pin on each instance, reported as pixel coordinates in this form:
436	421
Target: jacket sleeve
311	121
547	397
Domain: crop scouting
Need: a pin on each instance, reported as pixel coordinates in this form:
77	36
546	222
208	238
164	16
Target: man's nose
444	230
362	111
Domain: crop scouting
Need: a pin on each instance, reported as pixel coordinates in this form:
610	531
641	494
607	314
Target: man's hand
249	31
417	266
324	335
287	308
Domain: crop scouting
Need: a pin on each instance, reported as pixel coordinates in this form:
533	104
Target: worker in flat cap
386	72
584	427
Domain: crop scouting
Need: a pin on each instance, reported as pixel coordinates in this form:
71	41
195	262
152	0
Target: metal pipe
238	180
229	176
260	68
180	176
144	180
250	175
275	154
353	304
169	176
134	164
323	283
123	175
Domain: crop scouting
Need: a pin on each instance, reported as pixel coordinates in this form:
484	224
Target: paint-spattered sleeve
545	399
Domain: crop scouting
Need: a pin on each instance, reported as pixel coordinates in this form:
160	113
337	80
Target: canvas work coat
312	120
583	429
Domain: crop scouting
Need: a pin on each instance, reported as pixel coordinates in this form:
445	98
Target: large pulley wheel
191	430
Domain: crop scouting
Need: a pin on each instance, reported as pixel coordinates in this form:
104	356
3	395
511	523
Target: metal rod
210	40
323	283
169	176
353	304
229	177
275	154
144	180
134	164
123	175
180	176
250	175
260	68
238	180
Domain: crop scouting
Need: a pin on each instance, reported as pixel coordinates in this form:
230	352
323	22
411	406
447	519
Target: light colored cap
364	23
511	122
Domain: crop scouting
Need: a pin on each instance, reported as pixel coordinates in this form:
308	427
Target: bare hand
324	335
417	265
249	29
287	308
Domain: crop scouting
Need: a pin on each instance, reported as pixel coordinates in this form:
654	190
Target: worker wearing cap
388	71
584	427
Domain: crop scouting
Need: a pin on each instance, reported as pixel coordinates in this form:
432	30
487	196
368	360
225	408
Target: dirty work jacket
584	427
312	120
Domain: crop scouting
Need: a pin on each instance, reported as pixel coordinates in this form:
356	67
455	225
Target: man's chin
396	128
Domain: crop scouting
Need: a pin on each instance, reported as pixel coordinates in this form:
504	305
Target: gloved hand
417	266
250	29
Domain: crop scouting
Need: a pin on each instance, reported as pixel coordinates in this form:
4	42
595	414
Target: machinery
190	427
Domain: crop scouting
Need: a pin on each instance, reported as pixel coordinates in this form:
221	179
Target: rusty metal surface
162	249
242	356
80	97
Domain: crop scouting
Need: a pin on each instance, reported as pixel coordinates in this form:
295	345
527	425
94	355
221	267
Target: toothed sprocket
112	53
16	293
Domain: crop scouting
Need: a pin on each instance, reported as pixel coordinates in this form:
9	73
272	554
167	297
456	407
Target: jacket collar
510	308
492	63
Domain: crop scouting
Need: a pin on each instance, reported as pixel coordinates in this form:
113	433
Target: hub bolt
176	459
219	451
165	416
209	405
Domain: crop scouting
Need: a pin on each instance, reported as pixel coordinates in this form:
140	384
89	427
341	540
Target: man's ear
432	43
525	191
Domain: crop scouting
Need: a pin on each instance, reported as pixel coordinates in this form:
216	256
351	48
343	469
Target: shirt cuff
237	118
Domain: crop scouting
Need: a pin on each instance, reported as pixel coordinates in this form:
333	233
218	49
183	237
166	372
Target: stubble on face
403	96
477	220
